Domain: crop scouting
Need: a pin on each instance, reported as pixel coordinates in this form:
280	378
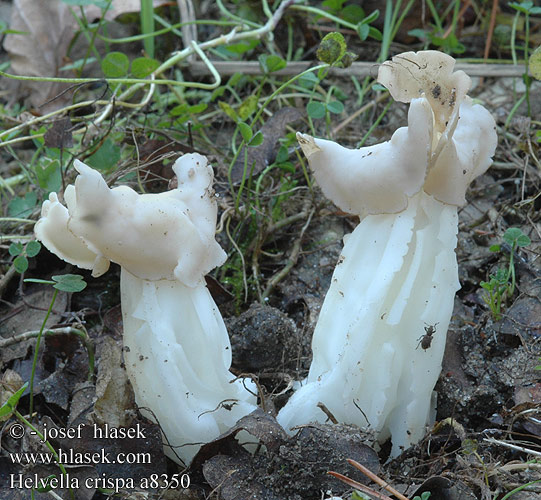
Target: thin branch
68	330
512	446
291	261
4	281
358	69
358	486
368	473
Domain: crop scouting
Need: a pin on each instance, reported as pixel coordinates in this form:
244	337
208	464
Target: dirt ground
486	440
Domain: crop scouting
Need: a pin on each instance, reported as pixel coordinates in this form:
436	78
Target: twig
327	412
358	486
513	446
291	261
6	279
189	30
491	28
68	330
461	13
358	69
368	473
360	111
516	467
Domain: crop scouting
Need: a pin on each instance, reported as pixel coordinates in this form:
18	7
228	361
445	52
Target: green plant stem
127	81
83	25
519	488
49	445
260	112
36	353
173	27
258	184
511	270
435	14
81	333
147	25
526	62
513	111
266	9
398	23
238	19
241	256
323	13
513	55
387	28
17	219
375	124
16	237
168	28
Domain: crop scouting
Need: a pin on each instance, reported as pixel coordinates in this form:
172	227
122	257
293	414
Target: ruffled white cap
154	236
449	141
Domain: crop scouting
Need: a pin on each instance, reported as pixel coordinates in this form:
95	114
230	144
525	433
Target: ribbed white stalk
397	273
178	355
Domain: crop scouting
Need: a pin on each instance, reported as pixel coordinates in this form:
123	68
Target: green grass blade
147	26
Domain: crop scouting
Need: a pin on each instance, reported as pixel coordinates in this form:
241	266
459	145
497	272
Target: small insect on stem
425	341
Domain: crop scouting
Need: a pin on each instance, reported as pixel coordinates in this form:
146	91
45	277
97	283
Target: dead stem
359	112
293	256
358	486
368	473
513	446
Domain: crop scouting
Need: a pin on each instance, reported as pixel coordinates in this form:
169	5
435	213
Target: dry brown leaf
258	158
114	393
119	7
21	318
49	27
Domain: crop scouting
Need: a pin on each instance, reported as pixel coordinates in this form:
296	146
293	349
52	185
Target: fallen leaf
232	477
59	134
10	383
20	318
114	392
48	27
82	403
264	154
258	423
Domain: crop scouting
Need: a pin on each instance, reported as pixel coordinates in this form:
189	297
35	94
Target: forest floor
283	239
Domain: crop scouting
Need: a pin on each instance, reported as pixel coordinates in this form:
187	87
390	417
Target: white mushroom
397	273
177	351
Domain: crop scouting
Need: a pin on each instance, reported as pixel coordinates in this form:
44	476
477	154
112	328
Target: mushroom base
178	355
396	276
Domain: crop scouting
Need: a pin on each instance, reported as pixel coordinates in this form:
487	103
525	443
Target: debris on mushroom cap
154	236
375	179
458	135
429	72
